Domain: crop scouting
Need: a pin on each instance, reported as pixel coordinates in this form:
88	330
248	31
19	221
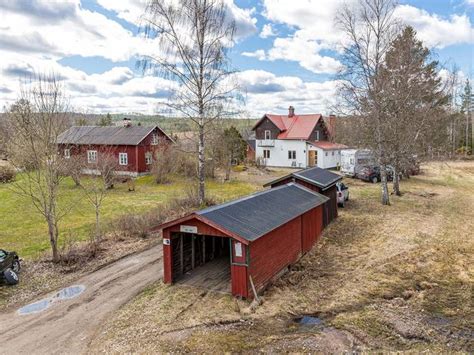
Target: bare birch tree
370	28
96	187
35	122
193	39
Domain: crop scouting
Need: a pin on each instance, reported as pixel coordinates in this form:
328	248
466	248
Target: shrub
7	173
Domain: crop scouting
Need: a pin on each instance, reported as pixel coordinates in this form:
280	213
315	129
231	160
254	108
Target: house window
67	153
326	154
154	139
148	158
268	134
292	154
123	158
92	156
317	135
266	153
333	153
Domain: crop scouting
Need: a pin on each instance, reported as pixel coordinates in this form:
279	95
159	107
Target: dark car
9	267
371	173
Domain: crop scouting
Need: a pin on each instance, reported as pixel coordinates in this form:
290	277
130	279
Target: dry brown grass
394	277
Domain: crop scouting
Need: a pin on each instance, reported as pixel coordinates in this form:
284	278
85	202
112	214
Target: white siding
279	153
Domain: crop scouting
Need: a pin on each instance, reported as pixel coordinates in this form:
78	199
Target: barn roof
322	178
255	215
105	135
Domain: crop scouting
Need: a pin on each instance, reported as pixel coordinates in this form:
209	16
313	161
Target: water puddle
64	294
309	321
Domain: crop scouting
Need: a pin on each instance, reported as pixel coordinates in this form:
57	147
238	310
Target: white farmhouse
297	141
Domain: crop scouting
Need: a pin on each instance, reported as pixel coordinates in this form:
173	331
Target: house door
312	158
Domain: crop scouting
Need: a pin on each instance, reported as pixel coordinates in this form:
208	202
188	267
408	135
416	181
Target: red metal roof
295	127
328	145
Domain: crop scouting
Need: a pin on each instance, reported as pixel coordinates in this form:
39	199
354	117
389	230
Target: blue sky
286	51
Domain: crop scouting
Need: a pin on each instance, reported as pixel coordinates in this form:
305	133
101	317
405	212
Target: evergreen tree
105	120
414	99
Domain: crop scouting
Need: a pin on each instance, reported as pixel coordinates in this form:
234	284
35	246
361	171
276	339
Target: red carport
258	236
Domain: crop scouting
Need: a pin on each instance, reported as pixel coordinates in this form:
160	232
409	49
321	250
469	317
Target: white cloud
435	31
313	22
79	32
259	54
267	31
267	92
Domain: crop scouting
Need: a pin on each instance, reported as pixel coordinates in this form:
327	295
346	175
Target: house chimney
291	111
126	122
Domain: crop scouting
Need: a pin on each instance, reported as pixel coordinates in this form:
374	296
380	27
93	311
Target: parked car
9	267
342	194
371	173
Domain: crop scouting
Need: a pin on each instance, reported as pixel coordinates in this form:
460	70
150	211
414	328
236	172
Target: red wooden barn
319	180
133	147
258	236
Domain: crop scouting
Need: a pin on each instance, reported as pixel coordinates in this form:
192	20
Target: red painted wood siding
239	281
136	154
312	225
274	251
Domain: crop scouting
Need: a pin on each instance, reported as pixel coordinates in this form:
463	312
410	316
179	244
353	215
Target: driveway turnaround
66	321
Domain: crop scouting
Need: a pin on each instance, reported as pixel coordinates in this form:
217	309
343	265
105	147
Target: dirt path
68	326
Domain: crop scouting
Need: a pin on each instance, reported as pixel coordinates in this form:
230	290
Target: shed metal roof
320	177
105	135
254	216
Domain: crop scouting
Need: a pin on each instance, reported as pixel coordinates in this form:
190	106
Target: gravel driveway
68	325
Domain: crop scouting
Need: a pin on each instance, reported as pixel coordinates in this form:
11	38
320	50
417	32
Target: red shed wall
274	251
312	226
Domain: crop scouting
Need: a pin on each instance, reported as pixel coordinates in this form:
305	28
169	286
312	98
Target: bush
7	174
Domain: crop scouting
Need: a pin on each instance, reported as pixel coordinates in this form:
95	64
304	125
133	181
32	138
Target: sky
286	52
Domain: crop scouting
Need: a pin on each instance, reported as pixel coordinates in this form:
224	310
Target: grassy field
23	229
391	278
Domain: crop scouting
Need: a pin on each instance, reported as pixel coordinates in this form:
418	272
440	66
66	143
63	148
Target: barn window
123	158
292	154
92	156
154	139
148	158
266	153
67	153
268	134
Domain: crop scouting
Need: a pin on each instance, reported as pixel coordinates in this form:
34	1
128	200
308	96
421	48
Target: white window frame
123	158
148	158
292	154
92	156
266	156
67	153
154	139
268	134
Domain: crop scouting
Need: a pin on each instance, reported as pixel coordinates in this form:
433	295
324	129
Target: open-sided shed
259	235
319	180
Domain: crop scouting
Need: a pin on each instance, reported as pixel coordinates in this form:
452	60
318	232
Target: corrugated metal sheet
104	135
318	176
321	178
253	216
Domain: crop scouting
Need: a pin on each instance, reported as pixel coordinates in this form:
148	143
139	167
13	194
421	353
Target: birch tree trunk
201	166
396	181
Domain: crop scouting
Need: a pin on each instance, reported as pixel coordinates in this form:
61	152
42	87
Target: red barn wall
274	251
312	226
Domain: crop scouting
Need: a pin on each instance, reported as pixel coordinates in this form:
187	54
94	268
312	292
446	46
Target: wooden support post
192	252
181	252
203	249
213	248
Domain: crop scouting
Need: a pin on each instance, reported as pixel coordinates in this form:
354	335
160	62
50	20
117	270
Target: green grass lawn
24	230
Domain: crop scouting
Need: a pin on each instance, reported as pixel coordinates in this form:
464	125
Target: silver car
342	194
